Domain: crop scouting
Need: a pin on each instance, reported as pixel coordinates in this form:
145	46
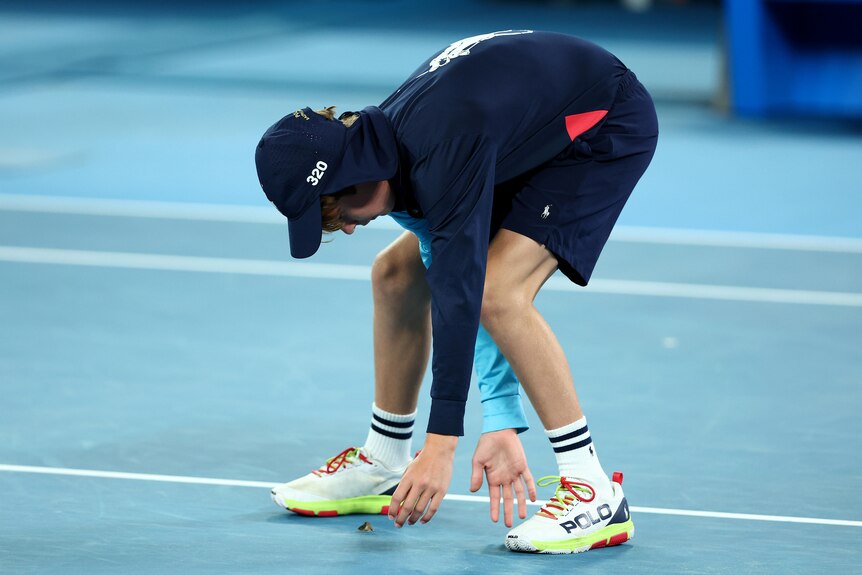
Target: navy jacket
483	111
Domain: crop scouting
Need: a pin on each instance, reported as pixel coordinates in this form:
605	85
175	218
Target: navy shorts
570	204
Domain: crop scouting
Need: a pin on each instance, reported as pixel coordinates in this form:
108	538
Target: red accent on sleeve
617	477
577	124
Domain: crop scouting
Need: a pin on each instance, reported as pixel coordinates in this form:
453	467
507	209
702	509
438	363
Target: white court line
184	263
268	215
451	497
136	476
141	209
725	239
352	272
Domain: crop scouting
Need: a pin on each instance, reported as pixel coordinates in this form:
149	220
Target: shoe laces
344	459
568	493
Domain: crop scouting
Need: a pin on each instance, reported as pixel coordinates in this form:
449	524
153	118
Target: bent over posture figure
508	156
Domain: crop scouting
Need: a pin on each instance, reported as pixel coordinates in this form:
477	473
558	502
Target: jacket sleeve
454	184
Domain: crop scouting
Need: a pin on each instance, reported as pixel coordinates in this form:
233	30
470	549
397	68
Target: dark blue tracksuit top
483	111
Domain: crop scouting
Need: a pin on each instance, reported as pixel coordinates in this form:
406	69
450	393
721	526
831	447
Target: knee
394	278
500	307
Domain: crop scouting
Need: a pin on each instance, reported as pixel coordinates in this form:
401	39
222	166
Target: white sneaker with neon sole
575	519
349	483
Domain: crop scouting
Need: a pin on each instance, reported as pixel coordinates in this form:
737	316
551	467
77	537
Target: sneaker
351	482
575	520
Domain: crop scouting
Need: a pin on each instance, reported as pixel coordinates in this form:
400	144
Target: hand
500	456
425	482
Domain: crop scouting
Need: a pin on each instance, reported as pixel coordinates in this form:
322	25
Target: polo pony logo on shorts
547	212
462	48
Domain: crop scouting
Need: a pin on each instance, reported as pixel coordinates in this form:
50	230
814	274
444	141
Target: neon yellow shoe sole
368	505
608	537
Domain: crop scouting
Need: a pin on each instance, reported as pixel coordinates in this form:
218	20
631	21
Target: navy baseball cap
297	159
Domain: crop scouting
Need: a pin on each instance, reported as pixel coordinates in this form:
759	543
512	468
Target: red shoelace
333	464
561	502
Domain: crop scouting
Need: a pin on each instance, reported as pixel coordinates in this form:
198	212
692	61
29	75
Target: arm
499	453
454	185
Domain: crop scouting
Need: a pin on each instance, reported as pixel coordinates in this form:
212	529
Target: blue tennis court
147	302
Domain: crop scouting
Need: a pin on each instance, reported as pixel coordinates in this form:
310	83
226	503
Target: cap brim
305	232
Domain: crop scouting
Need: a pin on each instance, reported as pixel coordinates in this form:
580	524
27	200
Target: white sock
576	455
390	437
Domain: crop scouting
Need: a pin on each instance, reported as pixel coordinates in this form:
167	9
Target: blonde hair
331	213
329	209
347	118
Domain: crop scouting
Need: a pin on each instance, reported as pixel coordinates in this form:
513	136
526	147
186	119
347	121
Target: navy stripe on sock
577	445
392	423
391	434
571	435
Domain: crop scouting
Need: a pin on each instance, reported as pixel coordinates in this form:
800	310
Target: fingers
510	490
432	509
476	477
522	500
415	508
494	493
405	510
406	506
398	498
531	485
419	508
410	503
507	504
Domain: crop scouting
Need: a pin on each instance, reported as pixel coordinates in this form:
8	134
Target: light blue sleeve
499	389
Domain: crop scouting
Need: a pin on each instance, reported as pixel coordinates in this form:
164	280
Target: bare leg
402	325
517	268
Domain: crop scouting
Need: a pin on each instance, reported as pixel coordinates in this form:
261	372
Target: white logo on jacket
462	48
545	215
